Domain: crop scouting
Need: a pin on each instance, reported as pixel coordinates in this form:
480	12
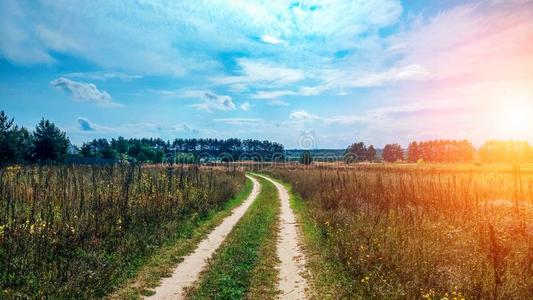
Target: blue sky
319	73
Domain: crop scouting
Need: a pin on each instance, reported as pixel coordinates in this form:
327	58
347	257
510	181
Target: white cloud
103	75
84	92
98	31
186	94
277	102
261	73
271	39
245	106
458	41
339	79
85	124
240	121
302	115
272	94
212	102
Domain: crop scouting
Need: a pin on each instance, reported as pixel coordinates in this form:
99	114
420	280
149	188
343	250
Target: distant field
417	231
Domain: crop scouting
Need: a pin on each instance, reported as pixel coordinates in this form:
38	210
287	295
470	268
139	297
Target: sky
307	74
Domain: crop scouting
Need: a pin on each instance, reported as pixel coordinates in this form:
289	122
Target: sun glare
515	118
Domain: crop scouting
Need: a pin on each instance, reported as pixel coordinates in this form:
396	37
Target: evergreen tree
50	143
8	129
306	158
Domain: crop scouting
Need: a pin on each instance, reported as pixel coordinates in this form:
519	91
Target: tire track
188	271
292	284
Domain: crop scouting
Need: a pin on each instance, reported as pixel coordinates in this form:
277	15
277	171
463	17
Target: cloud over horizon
82	91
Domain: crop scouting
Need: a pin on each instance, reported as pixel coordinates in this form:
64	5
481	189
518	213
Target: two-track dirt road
292	283
188	271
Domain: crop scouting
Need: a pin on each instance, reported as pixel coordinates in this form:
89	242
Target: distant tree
306	158
359	152
86	150
371	153
441	151
506	151
24	145
392	152
158	156
50	143
103	149
8	129
413	152
120	145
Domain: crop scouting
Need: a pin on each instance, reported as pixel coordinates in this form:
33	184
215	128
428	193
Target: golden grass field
421	231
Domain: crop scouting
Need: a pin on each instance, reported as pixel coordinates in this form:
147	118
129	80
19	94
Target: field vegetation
74	232
416	231
244	266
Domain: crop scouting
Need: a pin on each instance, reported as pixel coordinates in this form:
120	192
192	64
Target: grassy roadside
182	243
328	280
244	266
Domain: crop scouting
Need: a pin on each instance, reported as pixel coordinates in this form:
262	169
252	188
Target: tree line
441	151
182	150
445	151
18	145
47	143
359	152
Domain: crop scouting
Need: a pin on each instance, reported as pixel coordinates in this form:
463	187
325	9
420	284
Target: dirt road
188	271
292	284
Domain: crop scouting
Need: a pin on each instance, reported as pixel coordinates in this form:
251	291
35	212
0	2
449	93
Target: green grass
182	243
244	266
328	281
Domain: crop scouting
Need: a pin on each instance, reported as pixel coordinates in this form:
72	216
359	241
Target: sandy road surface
188	271
292	284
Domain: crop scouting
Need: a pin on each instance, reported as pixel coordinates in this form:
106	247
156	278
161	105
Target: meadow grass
162	263
244	266
408	232
75	232
327	279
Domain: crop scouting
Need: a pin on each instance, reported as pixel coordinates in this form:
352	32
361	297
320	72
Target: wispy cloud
82	91
272	94
240	121
245	106
213	102
141	129
260	73
303	115
271	39
103	75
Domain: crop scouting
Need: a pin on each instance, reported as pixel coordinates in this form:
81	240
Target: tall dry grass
424	232
79	231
